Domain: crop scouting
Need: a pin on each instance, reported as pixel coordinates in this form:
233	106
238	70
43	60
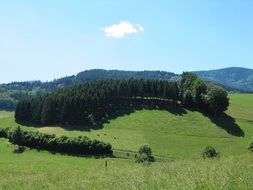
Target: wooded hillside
95	101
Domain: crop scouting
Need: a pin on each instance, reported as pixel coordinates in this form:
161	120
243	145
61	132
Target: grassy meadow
177	139
32	170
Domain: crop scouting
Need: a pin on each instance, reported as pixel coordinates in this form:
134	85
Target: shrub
145	149
251	147
17	136
209	152
145	154
4	132
70	145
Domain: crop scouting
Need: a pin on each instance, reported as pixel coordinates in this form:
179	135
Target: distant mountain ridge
11	93
233	79
91	75
100	74
238	78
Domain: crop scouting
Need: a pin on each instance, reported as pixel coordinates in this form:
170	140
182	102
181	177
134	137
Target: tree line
70	145
13	92
92	102
196	93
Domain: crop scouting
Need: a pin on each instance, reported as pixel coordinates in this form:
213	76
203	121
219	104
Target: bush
4	132
209	152
250	147
69	145
145	154
145	149
17	136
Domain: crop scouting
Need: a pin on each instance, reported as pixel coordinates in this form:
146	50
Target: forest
13	92
95	101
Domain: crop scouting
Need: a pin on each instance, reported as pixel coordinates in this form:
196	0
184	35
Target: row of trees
91	102
95	101
13	92
71	145
196	93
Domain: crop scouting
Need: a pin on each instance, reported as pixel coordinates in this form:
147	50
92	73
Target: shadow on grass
228	123
126	108
19	150
96	156
161	105
223	121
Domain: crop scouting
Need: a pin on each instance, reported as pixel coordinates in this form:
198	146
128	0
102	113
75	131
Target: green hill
177	134
173	134
177	138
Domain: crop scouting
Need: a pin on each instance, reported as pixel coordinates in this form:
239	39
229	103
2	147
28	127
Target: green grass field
177	139
34	170
172	136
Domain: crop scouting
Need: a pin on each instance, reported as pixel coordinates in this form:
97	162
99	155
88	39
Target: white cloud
122	29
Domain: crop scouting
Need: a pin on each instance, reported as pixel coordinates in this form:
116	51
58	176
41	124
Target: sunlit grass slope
172	135
176	135
176	138
34	170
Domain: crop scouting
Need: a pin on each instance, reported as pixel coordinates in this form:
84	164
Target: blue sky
49	39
